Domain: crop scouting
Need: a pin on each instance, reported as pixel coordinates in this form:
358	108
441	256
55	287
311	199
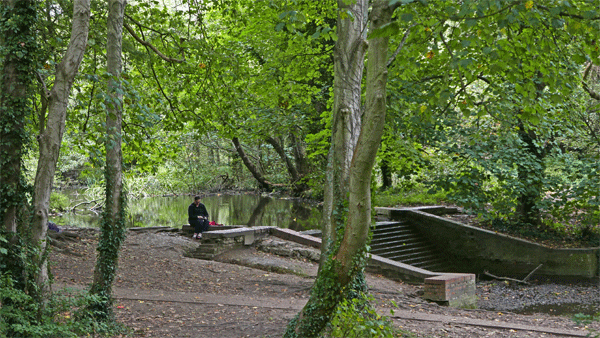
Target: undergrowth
64	315
407	196
357	318
551	235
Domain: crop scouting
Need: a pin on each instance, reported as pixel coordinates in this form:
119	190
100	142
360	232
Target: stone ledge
456	290
188	229
478	250
398	271
295	236
462	292
219	241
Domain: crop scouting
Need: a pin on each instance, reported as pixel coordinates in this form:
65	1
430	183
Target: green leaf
408	17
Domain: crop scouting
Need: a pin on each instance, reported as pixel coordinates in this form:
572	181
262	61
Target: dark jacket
195	211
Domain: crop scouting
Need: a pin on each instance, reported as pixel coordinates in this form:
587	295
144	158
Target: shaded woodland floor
161	293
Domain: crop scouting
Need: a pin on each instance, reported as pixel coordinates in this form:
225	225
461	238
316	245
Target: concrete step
399	254
401	242
387	225
393	237
404	246
378	234
433	266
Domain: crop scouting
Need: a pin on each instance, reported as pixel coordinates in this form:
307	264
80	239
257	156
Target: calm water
240	209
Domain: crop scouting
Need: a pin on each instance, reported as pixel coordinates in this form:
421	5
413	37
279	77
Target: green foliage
485	97
63	315
417	194
583	319
58	202
357	317
17	63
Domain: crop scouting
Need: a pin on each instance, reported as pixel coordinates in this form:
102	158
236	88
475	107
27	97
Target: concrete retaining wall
478	250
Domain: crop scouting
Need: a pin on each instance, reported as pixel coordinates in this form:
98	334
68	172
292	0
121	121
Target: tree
17	38
52	129
113	216
491	77
459	27
351	161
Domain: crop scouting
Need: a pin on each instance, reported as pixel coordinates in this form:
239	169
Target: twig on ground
505	278
531	273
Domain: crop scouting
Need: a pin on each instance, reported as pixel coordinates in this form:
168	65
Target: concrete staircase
401	242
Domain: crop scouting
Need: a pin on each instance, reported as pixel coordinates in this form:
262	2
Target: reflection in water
258	212
302	213
241	209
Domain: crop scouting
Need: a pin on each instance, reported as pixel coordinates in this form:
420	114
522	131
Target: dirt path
160	293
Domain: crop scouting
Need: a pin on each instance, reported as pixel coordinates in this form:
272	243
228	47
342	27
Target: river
227	209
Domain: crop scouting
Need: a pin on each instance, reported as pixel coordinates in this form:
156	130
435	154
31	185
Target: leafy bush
59	202
64	315
414	194
358	318
61	315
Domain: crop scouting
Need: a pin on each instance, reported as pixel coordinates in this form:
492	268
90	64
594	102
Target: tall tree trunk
17	20
344	265
113	218
359	199
349	57
299	149
302	164
52	132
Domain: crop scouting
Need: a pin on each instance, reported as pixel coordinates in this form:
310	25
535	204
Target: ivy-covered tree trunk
530	170
51	134
386	174
113	218
342	268
17	54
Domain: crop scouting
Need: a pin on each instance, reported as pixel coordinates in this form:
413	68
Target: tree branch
149	45
575	16
400	46
586	73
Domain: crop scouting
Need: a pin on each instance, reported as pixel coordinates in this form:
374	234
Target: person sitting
198	217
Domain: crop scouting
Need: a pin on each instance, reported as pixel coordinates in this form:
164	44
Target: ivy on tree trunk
113	218
17	39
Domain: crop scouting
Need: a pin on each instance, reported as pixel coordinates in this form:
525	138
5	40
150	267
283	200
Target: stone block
456	290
